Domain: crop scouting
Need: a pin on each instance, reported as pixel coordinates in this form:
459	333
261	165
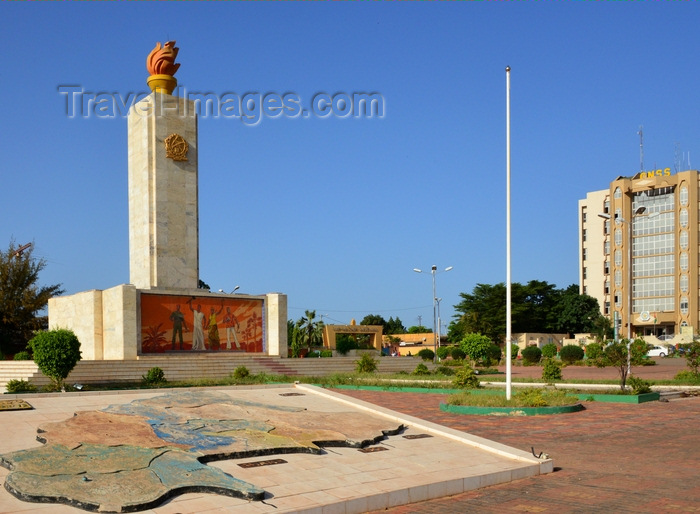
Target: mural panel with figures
200	323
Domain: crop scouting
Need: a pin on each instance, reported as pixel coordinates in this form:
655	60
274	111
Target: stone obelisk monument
127	321
163	212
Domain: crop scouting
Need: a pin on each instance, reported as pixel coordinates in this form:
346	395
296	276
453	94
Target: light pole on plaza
618	219
434	271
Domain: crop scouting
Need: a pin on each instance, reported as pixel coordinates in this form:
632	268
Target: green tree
21	299
615	355
294	338
394	326
311	329
477	346
374	319
692	357
419	329
56	352
535	307
575	313
482	312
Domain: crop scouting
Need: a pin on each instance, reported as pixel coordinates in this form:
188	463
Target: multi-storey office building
638	256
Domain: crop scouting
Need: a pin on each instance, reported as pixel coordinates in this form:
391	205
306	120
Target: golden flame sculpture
160	63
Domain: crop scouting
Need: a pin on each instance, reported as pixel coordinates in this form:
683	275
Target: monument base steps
196	366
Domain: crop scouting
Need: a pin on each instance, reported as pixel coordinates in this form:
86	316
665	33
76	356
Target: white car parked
657	351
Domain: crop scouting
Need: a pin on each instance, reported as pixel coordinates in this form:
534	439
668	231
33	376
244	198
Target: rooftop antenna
641	147
677	157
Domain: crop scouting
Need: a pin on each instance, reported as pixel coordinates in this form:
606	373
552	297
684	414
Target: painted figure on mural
232	325
178	319
214	328
197	327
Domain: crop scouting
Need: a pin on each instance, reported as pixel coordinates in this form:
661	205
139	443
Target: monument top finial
160	63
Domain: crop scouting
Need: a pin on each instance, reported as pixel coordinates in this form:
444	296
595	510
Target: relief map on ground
132	457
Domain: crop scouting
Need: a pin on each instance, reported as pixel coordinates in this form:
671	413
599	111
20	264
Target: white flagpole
508	277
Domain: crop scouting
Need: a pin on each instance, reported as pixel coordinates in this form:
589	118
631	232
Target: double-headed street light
434	271
638	212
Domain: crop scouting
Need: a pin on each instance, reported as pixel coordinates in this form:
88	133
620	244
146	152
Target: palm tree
310	328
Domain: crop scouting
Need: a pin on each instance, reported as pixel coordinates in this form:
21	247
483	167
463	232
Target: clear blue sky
337	212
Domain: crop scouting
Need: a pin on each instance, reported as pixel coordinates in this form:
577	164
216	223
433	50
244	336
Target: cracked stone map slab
132	457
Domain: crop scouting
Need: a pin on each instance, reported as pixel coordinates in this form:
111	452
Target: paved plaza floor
439	462
607	458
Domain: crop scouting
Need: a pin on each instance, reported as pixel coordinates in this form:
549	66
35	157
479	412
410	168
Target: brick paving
607	458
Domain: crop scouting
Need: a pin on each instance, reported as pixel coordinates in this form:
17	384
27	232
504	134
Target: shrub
543	398
154	377
345	344
570	353
23	356
549	350
639	385
594	351
494	355
466	378
445	370
443	352
692	356
514	349
326	353
240	373
687	376
366	364
56	352
421	369
19	386
476	346
426	354
457	353
531	355
530	397
551	370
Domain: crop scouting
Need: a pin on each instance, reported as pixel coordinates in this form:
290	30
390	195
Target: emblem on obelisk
176	147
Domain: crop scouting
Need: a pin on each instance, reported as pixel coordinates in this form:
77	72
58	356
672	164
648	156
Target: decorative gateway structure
162	309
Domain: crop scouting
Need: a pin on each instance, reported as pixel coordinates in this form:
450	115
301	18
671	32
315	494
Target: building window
683	196
606	268
607	287
618	193
583	216
684	305
684	283
585	273
684	261
584	235
607	247
684	240
606	308
618	216
606	206
618	237
654	265
606	227
585	251
618	299
683	218
618	258
618	278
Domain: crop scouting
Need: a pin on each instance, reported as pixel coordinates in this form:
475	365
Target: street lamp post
637	212
434	271
438	300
